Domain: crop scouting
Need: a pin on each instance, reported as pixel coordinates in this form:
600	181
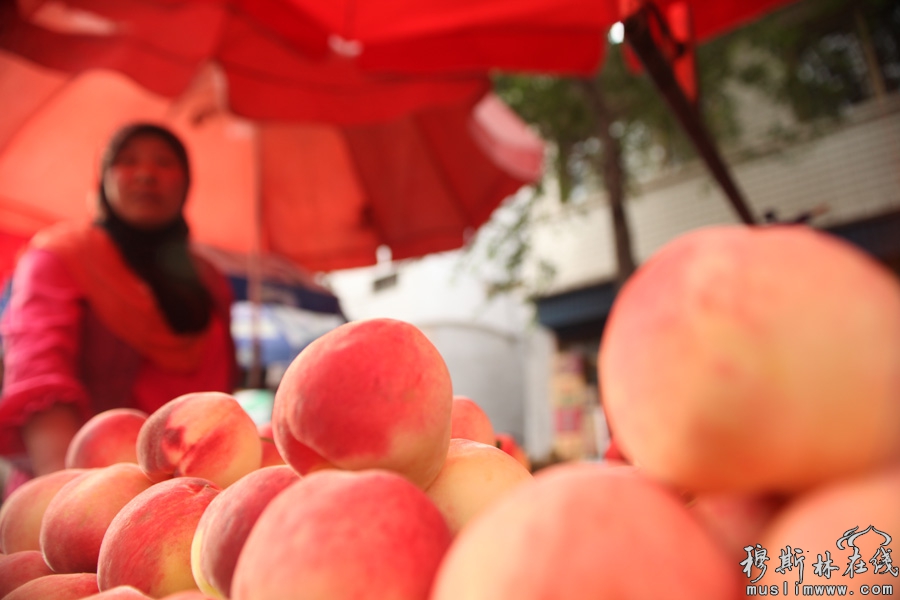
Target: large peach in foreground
474	476
204	434
19	568
583	531
226	523
339	535
368	394
65	586
80	513
762	359
148	544
845	529
21	513
107	438
470	422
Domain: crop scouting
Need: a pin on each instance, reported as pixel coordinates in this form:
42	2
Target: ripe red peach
344	534
474	476
368	394
586	530
226	523
735	518
21	513
80	513
107	438
508	444
270	455
755	359
21	567
470	422
843	527
62	586
148	543
204	434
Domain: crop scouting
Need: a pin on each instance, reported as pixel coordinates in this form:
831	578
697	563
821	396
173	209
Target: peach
188	595
61	586
344	534
80	513
369	394
22	511
270	455
583	530
226	523
204	434
734	518
107	438
735	357
469	421
120	592
508	444
474	476
19	568
148	544
842	528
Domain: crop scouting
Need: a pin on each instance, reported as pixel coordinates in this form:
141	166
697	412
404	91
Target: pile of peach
751	377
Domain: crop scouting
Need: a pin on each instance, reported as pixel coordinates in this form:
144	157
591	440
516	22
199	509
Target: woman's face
146	184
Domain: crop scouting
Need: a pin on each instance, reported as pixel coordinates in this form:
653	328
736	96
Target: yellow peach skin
507	443
474	476
226	523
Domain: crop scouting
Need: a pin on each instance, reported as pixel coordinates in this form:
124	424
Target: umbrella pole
254	274
637	32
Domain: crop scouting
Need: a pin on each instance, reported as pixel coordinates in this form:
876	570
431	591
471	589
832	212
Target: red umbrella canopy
328	195
397	76
162	45
333	164
465	36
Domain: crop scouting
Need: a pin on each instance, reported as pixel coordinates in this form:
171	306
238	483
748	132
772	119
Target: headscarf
159	256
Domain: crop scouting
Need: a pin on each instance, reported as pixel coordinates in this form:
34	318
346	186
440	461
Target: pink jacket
56	350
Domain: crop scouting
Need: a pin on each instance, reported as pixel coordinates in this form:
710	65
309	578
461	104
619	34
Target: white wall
853	172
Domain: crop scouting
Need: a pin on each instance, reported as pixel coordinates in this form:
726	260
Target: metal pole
637	32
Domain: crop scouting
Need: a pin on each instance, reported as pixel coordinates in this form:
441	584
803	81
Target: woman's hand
47	435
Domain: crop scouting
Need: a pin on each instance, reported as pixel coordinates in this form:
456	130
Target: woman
114	313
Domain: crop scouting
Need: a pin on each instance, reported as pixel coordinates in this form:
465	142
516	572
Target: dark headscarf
160	256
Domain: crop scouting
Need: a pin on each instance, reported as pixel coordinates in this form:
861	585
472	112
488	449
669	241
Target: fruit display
751	382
